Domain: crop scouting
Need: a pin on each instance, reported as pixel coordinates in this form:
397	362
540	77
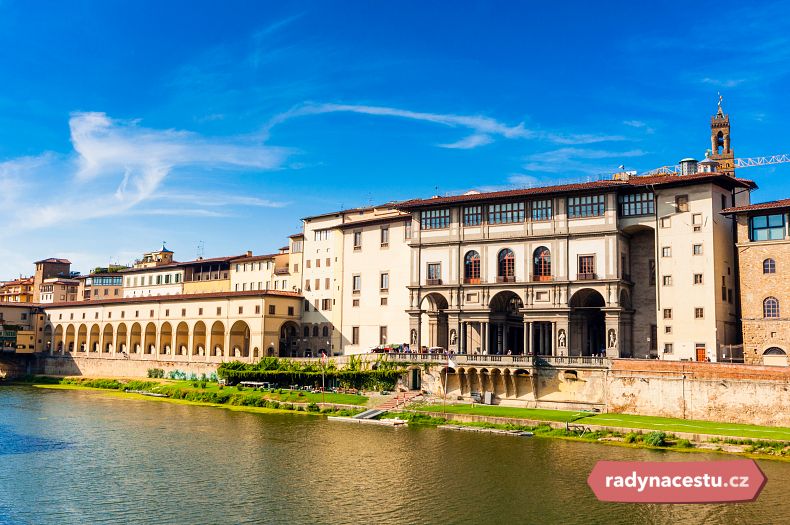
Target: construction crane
738	163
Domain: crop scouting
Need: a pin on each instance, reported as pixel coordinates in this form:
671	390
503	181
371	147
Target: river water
85	457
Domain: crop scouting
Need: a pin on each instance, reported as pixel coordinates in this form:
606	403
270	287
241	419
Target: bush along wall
285	373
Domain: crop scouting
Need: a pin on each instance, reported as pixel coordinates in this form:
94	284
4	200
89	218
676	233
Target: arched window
774	350
541	264
769	266
325	331
307	331
507	266
770	307
472	267
315	330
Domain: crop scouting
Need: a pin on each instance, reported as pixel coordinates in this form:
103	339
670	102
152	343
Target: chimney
249	253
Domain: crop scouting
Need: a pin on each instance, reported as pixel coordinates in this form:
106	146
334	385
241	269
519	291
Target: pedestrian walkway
399	400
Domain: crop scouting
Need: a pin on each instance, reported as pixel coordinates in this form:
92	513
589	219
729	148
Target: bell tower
720	148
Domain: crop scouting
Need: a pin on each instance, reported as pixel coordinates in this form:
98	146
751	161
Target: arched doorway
58	339
94	344
70	338
107	342
240	339
433	321
121	345
166	338
587	323
82	338
199	339
149	343
182	339
217	342
287	346
136	339
506	322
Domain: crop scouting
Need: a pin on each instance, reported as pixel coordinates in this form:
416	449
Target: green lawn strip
618	420
537	414
287	396
686	425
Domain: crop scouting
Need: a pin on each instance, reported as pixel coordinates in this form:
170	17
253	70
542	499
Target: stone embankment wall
13	366
709	391
104	367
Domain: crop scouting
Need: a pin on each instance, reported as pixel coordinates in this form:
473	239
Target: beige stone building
58	290
763	257
99	285
48	269
623	267
208	327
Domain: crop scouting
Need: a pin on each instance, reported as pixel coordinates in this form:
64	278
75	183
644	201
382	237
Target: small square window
666	222
667	280
272	309
699	313
667	348
667	329
667	313
697	278
696	219
355	302
682	203
696	249
666	251
383	301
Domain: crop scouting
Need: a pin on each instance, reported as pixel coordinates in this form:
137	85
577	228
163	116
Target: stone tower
720	148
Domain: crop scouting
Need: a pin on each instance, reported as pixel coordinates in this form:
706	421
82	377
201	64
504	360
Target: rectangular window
434	273
696	219
473	215
667	329
696	249
723	201
667	280
668	348
586	266
290	310
636	204
272	309
318	263
219	310
541	210
151	314
326	304
407	230
666	251
167	313
587	206
307	263
258	308
383	301
200	311
382	335
506	213
356	283
158	279
357	242
317	284
355	302
354	335
768	227
385	281
321	235
326	284
306	305
697	278
328	262
699	313
682	203
651	272
667	313
435	219
385	235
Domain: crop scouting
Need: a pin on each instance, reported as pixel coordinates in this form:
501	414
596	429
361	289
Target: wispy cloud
216	199
723	82
118	165
484	129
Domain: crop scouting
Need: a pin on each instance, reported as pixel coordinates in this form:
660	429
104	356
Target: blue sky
123	124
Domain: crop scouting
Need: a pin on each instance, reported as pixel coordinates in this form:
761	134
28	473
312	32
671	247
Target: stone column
190	343
500	335
483	337
553	345
531	338
612	334
526	337
226	343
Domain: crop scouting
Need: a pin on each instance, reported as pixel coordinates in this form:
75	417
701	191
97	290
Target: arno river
85	457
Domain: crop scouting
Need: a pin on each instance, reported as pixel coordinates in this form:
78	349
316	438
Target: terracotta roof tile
772	205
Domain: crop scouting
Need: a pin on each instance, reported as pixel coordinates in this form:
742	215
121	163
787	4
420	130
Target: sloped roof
771	205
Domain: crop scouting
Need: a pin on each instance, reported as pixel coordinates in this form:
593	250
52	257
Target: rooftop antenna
200	250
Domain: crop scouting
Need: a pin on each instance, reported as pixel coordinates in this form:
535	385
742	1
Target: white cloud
483	128
118	165
723	82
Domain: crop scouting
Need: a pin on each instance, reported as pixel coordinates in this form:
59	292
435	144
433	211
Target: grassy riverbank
647	423
211	394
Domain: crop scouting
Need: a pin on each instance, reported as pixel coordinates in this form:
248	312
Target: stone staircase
401	399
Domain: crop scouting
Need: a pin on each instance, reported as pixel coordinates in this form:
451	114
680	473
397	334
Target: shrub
156	373
656	439
631	437
683	443
313	407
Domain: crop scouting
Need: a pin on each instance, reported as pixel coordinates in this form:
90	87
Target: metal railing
502	360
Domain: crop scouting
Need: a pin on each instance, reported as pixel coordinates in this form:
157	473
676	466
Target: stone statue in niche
561	338
453	337
612	338
414	337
